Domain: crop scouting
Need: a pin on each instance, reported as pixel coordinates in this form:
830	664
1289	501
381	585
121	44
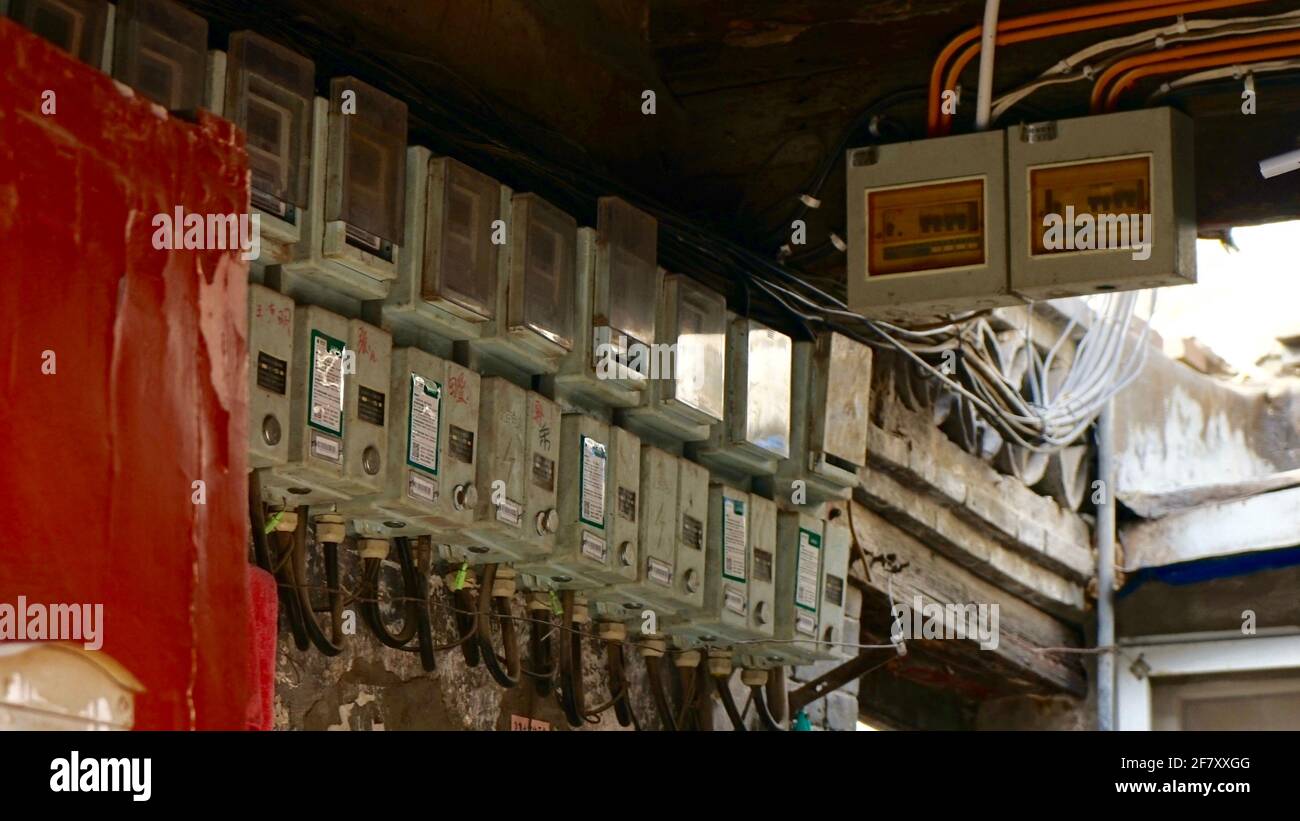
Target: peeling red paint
149	393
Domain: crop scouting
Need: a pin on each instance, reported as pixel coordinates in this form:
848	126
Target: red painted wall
98	459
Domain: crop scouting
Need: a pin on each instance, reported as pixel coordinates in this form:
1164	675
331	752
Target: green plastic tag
556	607
459	583
273	522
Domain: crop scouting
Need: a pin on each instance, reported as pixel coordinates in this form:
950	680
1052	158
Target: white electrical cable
988	43
1226	73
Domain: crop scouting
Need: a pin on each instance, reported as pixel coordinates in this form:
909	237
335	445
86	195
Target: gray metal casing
270	374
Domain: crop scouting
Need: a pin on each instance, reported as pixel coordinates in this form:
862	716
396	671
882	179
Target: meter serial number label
593	547
325	395
419	486
805	591
324	446
592	508
733	539
659	572
734	599
510	512
925	227
426	407
805	623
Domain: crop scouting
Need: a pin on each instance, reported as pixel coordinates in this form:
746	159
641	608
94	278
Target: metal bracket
854	668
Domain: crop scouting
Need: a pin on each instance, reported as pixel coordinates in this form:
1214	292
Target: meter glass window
630	236
372	151
767	422
160	50
546	293
701	347
465	268
925	227
76	26
1103	189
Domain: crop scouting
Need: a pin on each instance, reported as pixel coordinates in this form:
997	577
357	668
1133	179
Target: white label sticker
512	513
593	547
326	383
422	436
734	599
324	446
733	539
659	571
806	623
805	592
419	486
594	456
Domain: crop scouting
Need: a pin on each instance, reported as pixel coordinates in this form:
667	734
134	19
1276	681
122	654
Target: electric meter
927	229
368	365
800	553
671	534
430	478
356	196
831	639
515	518
448	278
80	27
160	50
1104	203
687	401
832	389
598	498
268	92
755	433
313	470
270	358
618	286
737	605
534	324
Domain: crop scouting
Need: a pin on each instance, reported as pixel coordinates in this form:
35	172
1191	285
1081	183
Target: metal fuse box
535	298
687	401
368	364
671	535
160	49
755	433
270	361
1082	190
598	497
356	197
83	28
618	285
429	486
927	227
832	392
313	469
269	93
448	278
737	604
515	518
800	552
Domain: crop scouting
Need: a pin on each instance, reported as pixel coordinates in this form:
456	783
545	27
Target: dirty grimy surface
372	687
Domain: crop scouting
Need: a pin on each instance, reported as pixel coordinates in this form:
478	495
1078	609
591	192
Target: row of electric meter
404	443
1042	211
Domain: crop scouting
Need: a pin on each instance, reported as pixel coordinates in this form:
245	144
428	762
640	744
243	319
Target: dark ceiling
751	96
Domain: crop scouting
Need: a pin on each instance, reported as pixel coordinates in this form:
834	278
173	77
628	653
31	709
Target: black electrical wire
508	675
371	613
723	684
570	690
298	569
654	672
541	654
760	708
618	683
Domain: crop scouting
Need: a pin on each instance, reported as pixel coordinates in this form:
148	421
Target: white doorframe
1245	654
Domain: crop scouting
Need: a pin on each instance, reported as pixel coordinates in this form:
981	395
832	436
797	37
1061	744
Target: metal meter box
515	518
83	28
533	326
160	49
832	391
671	534
433	439
927	227
598	497
755	433
448	277
834	581
618	286
368	365
356	196
269	92
738	572
1105	203
270	361
800	551
686	402
313	469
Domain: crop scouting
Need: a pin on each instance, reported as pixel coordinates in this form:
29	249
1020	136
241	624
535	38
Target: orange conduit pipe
1099	88
1072	27
1223	59
1015	24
